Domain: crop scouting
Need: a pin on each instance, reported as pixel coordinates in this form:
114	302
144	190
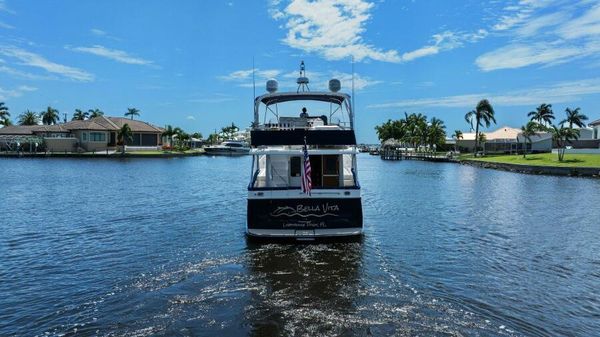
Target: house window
97	137
84	136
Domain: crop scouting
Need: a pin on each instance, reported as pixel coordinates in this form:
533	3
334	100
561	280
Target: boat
280	203
228	148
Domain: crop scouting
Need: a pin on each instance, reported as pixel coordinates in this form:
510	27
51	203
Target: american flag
306	179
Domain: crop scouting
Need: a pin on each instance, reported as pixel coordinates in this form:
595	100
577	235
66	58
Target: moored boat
228	148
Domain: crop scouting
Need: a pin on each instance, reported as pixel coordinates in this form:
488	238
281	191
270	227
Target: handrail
251	184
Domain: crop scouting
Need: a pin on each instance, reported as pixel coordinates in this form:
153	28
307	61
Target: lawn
543	159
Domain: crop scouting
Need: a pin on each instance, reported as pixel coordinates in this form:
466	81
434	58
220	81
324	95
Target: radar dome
335	85
272	86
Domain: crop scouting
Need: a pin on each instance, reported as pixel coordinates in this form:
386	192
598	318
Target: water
156	247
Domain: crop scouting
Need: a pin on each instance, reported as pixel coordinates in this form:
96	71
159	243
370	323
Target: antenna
302	80
353	106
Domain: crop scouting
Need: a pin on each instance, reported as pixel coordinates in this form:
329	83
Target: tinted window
295	166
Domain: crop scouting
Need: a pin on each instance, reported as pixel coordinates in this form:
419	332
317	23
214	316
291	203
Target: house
506	140
92	135
595	125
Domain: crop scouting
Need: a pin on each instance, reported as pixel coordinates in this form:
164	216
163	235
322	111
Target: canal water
156	247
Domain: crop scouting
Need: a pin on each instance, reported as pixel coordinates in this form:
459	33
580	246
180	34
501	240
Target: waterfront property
506	140
92	135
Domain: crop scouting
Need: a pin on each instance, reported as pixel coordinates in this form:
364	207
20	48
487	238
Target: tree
79	115
483	115
391	129
123	135
197	135
562	136
50	116
6	122
132	112
543	114
182	138
28	118
4	114
229	132
169	134
435	133
574	117
456	136
527	131
213	138
95	113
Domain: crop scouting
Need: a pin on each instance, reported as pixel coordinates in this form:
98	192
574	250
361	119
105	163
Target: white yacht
228	148
283	200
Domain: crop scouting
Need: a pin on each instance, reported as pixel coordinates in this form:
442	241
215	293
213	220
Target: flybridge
331	125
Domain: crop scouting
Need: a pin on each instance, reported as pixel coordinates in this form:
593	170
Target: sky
189	63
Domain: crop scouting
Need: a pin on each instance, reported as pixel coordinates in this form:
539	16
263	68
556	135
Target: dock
391	154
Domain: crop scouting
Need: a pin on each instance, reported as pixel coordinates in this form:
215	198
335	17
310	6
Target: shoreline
576	171
101	155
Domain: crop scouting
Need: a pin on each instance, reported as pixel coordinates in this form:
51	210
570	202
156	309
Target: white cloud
112	54
20	74
260	75
561	92
6	94
446	40
4	8
545	35
331	28
34	60
540	53
318	80
98	32
191	118
519	13
6	25
587	25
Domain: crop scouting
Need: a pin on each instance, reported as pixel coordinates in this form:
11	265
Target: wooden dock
387	154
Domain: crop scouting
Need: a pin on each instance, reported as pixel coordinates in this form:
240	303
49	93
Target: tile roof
17	130
135	125
594	123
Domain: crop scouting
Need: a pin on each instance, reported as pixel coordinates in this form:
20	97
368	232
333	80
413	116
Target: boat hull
305	217
226	152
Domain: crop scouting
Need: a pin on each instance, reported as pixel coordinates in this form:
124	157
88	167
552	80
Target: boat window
295	167
331	171
233	145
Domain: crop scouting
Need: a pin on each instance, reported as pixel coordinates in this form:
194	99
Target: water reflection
307	289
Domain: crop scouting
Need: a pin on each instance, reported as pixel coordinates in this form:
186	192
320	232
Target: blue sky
188	63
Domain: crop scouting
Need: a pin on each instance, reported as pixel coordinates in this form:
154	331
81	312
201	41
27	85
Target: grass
542	159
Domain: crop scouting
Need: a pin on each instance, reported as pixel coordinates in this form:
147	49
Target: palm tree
50	116
4	114
527	131
132	112
123	135
456	136
213	138
28	118
79	115
482	139
6	122
95	113
182	137
170	132
435	133
197	135
483	115
562	136
574	117
229	131
543	114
